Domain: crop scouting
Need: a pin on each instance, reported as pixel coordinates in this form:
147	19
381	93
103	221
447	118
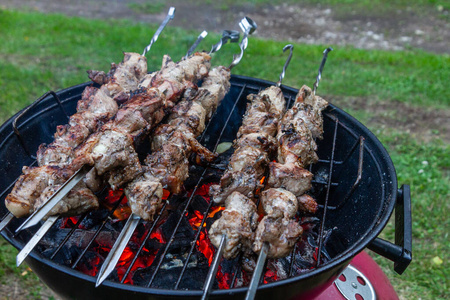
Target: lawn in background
50	52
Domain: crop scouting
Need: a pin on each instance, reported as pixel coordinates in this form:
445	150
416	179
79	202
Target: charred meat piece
173	143
278	228
254	145
280	234
245	170
264	112
79	200
279	203
238	222
144	196
291	177
127	74
28	188
307	204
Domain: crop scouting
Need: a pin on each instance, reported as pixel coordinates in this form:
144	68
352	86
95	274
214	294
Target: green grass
49	52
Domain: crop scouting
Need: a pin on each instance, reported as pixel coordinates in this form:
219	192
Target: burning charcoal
184	234
194	278
66	256
198	204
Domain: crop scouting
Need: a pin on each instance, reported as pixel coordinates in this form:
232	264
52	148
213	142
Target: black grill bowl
356	204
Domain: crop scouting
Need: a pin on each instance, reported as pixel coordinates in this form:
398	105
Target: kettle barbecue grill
355	185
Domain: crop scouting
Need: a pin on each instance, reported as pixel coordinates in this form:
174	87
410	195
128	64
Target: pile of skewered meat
272	149
173	142
107	147
268	134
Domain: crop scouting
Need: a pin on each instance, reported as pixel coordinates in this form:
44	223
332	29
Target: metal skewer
231	35
265	247
199	39
35	240
116	251
218	255
169	17
42	211
248	26
322	64
39	214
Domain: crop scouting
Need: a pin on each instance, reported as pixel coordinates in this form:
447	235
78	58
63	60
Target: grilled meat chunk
253	147
280	234
175	141
291	177
263	112
144	195
238	222
278	228
279	203
29	186
309	108
307	204
110	149
127	74
79	200
245	170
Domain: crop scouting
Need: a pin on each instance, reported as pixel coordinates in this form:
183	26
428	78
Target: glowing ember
204	246
215	210
112	197
157	235
196	220
166	194
69	222
262	180
270	276
223	279
203	191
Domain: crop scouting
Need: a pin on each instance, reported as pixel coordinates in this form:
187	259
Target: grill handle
400	252
23	112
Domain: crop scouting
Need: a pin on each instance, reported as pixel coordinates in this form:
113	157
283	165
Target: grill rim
383	215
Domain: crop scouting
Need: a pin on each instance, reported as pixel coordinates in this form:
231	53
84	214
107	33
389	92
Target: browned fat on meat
238	222
29	186
290	176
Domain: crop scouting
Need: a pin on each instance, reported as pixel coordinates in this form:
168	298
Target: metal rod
253	287
322	64
97	232
227	35
286	64
42	211
144	241
169	17
248	27
72	230
6	220
199	39
35	240
122	240
213	269
330	175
